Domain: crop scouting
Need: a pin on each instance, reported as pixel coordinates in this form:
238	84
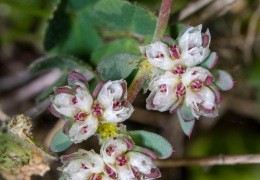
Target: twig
3	116
151	118
163	18
250	37
38	109
14	80
190	9
212	161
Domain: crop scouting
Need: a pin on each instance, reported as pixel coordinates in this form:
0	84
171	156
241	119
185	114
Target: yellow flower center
107	130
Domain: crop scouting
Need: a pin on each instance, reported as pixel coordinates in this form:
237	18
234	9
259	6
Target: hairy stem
211	161
163	18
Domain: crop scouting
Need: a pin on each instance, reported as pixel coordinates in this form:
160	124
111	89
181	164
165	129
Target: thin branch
250	37
3	116
190	9
37	109
212	161
163	18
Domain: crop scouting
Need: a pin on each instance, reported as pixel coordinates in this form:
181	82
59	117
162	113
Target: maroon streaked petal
124	87
174	52
175	106
217	93
155	173
52	109
75	77
98	88
205	40
63	89
69	157
67	126
130	143
208	80
146	151
110	172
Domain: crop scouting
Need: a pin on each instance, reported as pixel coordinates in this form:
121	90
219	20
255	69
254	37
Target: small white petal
158	55
81	131
112	148
195	73
143	163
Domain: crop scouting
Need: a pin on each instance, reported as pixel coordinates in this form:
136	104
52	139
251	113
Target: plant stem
211	161
138	81
163	18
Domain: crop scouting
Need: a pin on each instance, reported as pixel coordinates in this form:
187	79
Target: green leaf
223	80
124	45
63	62
186	113
152	141
187	126
72	30
118	66
210	61
59	27
60	142
122	15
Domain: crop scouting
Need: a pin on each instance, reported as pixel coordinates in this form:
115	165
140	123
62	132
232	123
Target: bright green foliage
123	45
152	141
121	15
79	27
60	142
117	66
14	154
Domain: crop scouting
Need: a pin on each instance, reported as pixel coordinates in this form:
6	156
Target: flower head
83	165
194	45
161	55
112	96
124	163
84	113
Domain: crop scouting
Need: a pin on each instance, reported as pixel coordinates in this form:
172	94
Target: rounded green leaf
60	142
187	126
210	61
152	141
117	66
223	80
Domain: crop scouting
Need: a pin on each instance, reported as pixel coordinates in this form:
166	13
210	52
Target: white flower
70	102
194	46
125	164
82	165
199	96
159	55
81	131
143	164
112	148
166	90
113	99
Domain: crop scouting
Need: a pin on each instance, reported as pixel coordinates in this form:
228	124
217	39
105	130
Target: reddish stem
163	18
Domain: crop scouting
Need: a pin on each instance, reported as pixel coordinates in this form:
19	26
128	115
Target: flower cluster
87	115
119	159
183	82
100	114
